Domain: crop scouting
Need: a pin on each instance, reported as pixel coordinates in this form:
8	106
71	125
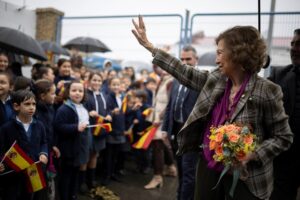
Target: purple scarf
220	114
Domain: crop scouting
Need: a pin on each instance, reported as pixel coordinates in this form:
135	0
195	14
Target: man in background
180	105
287	165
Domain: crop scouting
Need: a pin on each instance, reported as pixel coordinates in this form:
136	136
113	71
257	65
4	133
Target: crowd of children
69	120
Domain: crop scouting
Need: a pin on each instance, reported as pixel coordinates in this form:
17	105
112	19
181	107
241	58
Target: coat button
243	96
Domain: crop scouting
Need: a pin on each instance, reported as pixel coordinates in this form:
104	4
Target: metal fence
204	27
175	30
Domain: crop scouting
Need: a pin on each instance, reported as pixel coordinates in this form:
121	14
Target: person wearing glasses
232	93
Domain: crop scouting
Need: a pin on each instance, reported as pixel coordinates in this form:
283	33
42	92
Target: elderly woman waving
233	93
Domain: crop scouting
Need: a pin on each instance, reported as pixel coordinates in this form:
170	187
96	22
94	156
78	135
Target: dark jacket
190	97
118	122
6	111
14	130
45	113
286	78
69	139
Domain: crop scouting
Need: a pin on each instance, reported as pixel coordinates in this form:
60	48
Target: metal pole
270	34
258	14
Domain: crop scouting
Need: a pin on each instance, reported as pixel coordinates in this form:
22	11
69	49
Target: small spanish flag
124	104
61	91
16	158
98	127
130	133
35	177
145	140
107	127
147	112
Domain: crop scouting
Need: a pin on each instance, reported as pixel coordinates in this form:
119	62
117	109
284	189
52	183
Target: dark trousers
286	177
206	179
143	158
68	179
14	187
110	158
162	153
188	164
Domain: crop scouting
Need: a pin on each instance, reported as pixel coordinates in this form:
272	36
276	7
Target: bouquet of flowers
231	144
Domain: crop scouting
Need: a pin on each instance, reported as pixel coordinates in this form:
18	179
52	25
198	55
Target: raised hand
140	33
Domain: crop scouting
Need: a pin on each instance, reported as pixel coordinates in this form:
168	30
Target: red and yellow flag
147	112
124	104
61	91
130	135
97	130
145	140
35	177
107	127
16	158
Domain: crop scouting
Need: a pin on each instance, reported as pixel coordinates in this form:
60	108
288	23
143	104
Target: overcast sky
117	7
117	34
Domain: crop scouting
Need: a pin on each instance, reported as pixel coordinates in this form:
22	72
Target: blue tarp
97	62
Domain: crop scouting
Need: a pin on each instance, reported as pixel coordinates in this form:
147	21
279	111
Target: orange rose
212	145
230	128
248	139
219	150
233	137
219	137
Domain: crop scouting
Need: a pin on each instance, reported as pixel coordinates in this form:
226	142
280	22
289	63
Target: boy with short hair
30	135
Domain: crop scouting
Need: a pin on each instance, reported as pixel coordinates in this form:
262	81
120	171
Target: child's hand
43	158
60	84
137	105
82	126
156	124
140	133
108	118
56	152
2	168
93	113
135	121
116	111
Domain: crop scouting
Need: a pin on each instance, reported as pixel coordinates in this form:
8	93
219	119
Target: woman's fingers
135	24
141	23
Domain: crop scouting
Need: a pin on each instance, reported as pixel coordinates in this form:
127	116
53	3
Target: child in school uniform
116	138
73	139
62	79
96	104
143	110
44	91
6	109
130	121
30	135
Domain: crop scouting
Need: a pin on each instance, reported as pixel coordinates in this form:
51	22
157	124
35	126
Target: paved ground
131	187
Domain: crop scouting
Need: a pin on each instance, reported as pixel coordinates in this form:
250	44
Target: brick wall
47	23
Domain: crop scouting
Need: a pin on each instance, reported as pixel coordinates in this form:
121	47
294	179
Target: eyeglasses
185	59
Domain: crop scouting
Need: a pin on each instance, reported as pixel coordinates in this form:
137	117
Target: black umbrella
54	48
87	44
17	42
